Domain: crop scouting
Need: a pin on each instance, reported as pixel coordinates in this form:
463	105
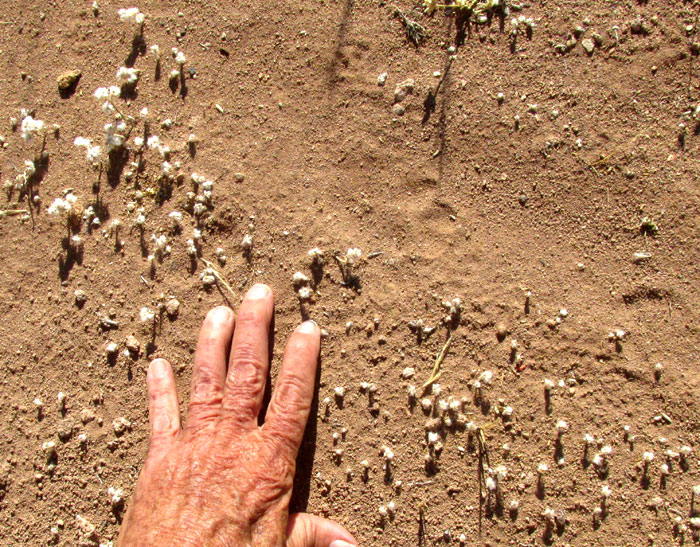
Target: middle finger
249	360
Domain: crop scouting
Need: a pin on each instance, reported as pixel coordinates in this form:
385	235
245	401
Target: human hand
223	480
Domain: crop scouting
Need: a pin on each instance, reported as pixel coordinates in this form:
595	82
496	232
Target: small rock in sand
172	307
133	345
67	81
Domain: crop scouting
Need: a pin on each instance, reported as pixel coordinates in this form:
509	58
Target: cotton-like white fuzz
131	15
353	255
30	127
63	205
147	315
128	76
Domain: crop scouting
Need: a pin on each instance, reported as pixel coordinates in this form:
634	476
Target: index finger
291	401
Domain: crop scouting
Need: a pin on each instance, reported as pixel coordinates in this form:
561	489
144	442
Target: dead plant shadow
338	57
41	164
117	161
430	102
463	28
138	47
69	258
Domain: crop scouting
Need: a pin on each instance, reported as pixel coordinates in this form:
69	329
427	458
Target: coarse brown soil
306	150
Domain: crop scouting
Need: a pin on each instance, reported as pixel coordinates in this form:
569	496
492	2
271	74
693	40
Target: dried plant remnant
415	32
131	15
436	373
347	264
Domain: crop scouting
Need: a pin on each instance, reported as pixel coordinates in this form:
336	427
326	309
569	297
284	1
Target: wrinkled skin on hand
222	479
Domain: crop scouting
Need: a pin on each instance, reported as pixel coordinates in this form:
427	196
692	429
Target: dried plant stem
218	276
483	457
436	368
13	212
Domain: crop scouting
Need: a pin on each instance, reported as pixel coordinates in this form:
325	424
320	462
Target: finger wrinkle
206	398
205	404
288	424
203	422
246	367
206	377
279	437
280	431
293	391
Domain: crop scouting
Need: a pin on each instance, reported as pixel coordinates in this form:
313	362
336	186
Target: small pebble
172	307
80	297
121	425
501	331
402	89
68	80
640	256
65	430
588	45
87	415
133	345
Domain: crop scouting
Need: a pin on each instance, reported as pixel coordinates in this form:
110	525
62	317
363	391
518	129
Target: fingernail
308	327
159	368
341	543
220	314
256	292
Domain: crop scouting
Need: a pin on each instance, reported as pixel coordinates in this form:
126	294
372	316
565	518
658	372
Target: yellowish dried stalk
436	368
218	276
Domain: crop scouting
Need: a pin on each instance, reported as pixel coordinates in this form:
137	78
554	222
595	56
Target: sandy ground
559	212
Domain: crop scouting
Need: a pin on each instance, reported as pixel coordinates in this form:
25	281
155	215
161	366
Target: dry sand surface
543	174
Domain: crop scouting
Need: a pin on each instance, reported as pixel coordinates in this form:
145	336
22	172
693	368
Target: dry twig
435	375
219	276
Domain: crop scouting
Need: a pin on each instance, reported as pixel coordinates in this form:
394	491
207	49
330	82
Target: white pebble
408	372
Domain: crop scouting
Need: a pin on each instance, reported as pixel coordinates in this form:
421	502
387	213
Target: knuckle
203	410
206	393
165	424
205	376
292	390
157	445
247	369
